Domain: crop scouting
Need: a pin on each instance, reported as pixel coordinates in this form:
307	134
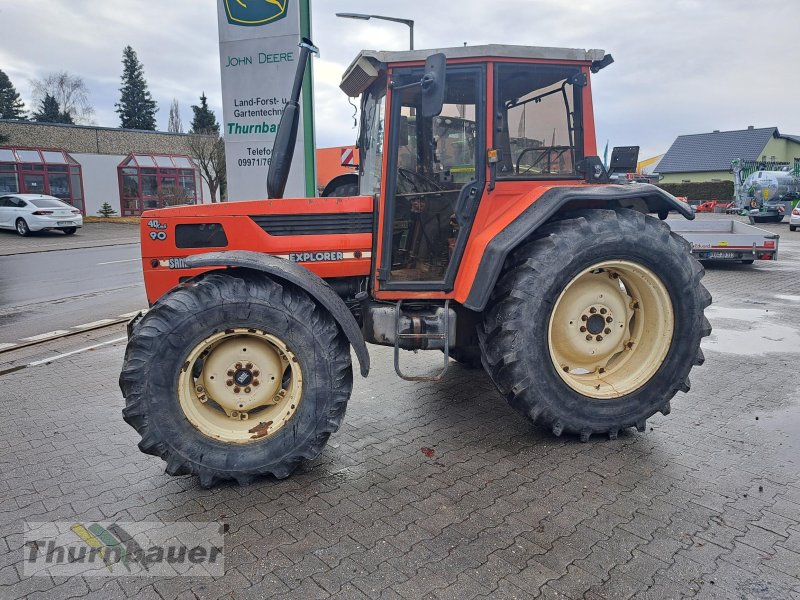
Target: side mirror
433	85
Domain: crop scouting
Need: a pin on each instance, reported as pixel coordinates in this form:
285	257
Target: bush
106	210
701	191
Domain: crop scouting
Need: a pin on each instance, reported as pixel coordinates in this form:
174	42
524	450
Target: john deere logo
254	12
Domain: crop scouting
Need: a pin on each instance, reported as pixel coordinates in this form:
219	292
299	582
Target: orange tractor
484	228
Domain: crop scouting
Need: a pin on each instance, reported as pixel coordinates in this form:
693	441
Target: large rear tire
235	376
596	322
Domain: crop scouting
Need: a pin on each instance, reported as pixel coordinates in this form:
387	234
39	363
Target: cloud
684	66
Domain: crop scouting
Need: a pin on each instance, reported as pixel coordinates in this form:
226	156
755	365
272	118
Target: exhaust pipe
285	139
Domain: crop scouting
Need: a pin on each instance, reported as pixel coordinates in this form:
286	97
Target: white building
132	170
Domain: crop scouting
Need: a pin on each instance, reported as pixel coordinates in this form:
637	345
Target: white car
794	218
37	212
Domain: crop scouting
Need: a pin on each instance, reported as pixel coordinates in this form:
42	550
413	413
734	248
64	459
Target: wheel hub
598	326
240	385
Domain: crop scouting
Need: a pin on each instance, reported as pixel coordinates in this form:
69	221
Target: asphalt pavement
43	292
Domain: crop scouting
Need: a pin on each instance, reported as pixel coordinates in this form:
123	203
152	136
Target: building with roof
87	166
707	156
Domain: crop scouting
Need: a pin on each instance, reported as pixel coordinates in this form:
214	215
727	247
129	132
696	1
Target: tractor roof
368	63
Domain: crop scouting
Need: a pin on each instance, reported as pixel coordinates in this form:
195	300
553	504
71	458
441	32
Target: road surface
51	291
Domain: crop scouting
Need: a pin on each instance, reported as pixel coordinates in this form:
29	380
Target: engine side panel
331	237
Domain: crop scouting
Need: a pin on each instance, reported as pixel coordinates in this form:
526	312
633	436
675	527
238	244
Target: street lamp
363	17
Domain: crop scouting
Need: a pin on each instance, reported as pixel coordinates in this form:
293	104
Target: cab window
538	131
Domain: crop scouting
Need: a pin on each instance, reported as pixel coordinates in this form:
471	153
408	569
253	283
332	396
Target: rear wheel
792	227
22	227
236	376
69	230
596	323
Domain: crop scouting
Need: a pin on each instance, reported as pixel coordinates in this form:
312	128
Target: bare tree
71	93
175	124
208	151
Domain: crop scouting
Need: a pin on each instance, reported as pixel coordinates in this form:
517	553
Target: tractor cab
508	116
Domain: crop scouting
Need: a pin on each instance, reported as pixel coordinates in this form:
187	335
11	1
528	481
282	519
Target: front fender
639	196
283	269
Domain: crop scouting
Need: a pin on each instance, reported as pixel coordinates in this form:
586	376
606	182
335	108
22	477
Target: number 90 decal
158	235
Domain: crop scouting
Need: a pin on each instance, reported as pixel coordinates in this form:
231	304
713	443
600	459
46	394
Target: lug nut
231	372
229	383
584	318
593	310
599	338
237	389
249	365
603	311
609	319
583	329
238	365
588	337
607	331
256	372
247	390
256	382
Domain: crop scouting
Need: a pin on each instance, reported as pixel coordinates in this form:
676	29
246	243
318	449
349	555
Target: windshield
48	203
371	139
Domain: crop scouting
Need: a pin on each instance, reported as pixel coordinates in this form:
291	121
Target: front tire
235	376
596	322
22	227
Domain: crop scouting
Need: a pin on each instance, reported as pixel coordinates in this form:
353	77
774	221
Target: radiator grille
318	224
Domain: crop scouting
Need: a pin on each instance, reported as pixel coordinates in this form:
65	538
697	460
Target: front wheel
596	323
22	227
235	376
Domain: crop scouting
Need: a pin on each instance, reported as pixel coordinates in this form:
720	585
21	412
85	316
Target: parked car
37	212
794	218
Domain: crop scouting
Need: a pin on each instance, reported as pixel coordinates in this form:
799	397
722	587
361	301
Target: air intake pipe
283	147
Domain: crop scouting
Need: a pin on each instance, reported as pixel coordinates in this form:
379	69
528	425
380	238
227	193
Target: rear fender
637	196
285	270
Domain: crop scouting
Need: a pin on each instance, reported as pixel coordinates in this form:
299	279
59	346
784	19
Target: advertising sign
258	58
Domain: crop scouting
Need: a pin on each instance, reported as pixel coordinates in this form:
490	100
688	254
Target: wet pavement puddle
750	331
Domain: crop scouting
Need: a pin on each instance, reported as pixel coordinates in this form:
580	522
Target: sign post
258	57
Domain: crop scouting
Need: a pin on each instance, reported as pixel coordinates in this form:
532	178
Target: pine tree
50	112
106	210
204	121
11	105
136	107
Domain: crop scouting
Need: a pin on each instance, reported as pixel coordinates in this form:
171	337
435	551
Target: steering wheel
418	183
559	151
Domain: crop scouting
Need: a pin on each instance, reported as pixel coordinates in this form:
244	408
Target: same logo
250	13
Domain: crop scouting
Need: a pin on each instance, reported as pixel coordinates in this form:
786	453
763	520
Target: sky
682	66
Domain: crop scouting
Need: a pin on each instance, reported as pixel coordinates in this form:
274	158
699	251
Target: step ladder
421	336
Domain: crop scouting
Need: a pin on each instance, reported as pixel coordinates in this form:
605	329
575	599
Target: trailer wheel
596	322
235	376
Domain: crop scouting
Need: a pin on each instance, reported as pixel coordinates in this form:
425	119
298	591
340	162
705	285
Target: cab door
435	178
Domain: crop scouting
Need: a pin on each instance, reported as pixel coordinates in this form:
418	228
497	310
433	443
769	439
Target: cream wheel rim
240	385
611	329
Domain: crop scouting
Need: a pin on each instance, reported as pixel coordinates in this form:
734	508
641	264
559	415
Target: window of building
41	171
148	181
